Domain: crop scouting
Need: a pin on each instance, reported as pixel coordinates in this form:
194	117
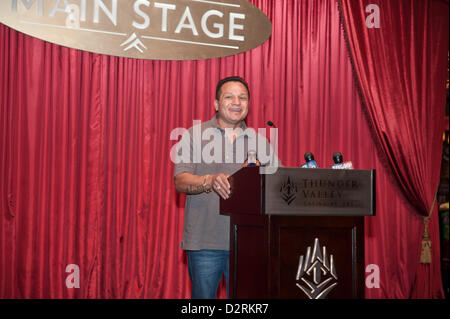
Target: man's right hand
221	185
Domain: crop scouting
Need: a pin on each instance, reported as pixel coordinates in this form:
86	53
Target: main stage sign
163	29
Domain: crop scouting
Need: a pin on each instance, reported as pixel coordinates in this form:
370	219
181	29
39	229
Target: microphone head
337	158
309	157
270	123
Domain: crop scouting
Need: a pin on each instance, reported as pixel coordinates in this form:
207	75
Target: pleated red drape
85	171
401	70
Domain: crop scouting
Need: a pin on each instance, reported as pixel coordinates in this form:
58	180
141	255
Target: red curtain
85	171
401	69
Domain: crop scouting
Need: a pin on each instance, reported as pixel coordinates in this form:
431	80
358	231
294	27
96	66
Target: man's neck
229	129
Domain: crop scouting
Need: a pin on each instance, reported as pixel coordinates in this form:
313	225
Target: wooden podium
298	233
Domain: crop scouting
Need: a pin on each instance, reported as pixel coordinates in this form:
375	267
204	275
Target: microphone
310	162
272	167
339	162
337	158
270	123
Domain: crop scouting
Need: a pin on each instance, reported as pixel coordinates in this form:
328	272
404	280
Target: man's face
232	105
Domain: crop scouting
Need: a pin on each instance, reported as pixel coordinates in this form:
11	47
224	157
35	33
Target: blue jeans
206	268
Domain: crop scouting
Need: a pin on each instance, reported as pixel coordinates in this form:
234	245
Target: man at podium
206	155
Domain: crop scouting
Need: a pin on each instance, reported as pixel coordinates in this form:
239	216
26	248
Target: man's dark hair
231	79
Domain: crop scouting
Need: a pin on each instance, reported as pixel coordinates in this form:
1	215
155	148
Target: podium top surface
301	192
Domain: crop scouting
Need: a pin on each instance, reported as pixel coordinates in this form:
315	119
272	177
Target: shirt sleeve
183	157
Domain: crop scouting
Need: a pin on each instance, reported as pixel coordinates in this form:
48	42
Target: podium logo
288	191
161	30
316	275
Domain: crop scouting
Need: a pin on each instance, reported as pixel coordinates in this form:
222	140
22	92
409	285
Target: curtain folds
85	170
401	70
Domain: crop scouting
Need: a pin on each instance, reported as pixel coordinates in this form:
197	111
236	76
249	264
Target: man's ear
216	105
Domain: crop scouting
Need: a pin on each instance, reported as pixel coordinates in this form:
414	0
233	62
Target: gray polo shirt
205	149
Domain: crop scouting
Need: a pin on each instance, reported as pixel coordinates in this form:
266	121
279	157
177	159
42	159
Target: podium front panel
296	257
317	258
